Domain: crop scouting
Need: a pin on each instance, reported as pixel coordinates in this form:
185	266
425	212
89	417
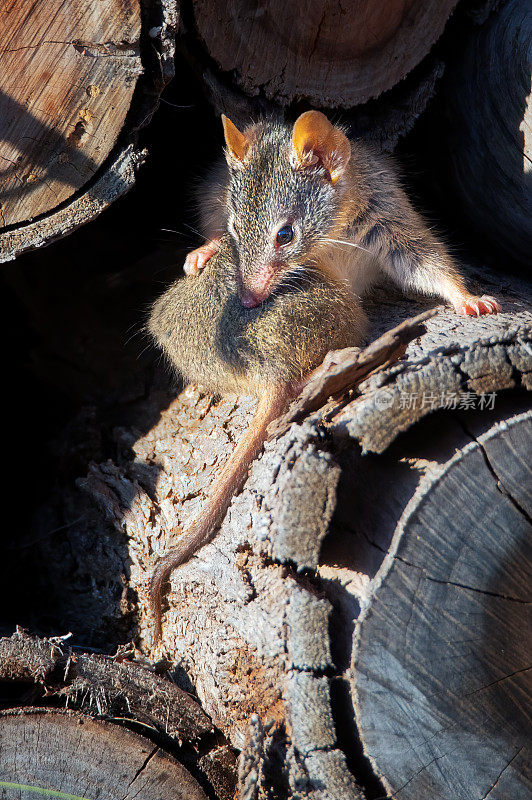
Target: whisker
174	105
139	332
181	232
192	228
343	241
144	350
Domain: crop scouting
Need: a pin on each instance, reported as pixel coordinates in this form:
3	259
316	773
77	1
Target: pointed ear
237	143
317	142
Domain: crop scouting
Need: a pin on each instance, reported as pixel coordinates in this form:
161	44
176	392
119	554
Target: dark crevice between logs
342	623
275	772
350	743
194	53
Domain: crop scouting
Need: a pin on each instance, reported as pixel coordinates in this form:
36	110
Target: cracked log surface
76	85
66	755
324	53
439	672
264	621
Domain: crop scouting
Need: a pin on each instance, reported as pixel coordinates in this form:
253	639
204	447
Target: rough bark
77	84
249	620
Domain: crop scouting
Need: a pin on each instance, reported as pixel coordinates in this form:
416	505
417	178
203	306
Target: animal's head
284	200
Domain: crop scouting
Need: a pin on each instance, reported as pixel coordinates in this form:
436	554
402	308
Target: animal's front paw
472	306
197	259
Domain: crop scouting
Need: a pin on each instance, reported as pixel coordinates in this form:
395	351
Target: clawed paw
197	259
194	262
477	306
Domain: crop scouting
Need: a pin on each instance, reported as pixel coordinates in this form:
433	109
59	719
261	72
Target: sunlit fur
266	351
211	339
357	229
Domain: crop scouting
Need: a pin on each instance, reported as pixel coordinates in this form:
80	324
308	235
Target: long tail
229	481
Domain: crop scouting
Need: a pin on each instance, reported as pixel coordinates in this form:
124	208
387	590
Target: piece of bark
343	370
71	106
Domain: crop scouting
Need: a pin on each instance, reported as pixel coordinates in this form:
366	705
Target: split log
78	80
488	133
262	620
438	666
371	60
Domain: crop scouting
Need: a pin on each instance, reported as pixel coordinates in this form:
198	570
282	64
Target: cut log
70	107
440	673
331	57
71	757
327	54
488	141
261	620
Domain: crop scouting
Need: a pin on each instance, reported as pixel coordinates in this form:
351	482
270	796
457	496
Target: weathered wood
68	76
440	672
77	758
327	54
383	121
488	129
69	79
248	620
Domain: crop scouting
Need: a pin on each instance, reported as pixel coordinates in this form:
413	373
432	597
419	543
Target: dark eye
284	235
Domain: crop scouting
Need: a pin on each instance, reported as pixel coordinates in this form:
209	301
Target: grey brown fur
213	340
267	351
344	200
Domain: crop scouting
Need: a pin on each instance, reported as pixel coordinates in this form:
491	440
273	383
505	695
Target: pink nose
250	299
